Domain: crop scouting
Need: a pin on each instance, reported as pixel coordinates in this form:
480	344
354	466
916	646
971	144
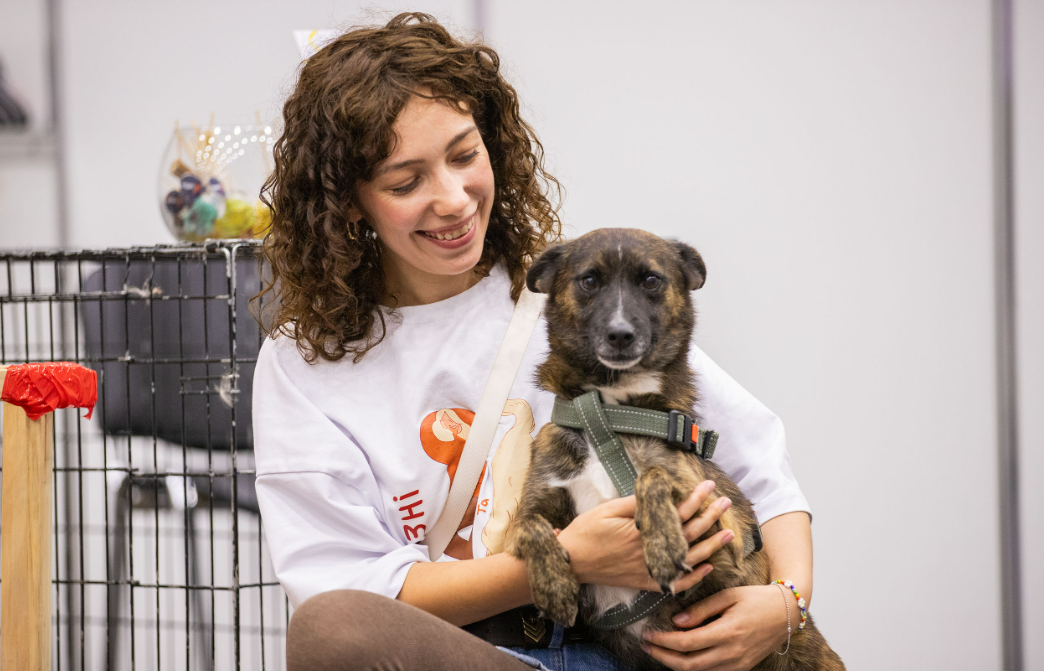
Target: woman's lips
452	237
451	233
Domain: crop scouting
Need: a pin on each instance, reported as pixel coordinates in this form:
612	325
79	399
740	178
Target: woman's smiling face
430	201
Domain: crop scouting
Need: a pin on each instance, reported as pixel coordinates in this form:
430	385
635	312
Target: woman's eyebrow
460	136
414	161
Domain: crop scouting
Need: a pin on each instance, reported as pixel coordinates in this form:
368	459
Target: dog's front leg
660	529
556	454
552	581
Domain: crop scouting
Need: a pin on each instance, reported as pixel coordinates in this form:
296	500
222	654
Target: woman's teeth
455	234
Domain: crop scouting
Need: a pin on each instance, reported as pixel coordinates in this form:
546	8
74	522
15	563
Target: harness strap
601	425
675	427
623	615
590	412
590	416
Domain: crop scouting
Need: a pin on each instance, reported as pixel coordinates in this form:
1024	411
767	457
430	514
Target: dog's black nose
620	337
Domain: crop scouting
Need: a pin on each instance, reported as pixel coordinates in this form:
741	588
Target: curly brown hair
327	279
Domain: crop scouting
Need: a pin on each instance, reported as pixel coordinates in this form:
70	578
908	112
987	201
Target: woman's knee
339	629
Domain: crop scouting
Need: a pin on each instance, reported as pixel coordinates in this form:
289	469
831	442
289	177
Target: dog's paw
558	600
556	597
660	529
553	584
665	555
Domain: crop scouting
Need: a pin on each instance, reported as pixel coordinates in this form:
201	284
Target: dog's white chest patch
631	384
591	486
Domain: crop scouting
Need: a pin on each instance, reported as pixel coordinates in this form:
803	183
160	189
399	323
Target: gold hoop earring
353	228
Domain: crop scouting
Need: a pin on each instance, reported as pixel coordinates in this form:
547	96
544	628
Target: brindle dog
620	320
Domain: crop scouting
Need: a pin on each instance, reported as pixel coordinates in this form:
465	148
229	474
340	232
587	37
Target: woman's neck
416	287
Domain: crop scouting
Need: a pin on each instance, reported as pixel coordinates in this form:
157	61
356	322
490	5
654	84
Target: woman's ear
355	223
543	271
693	265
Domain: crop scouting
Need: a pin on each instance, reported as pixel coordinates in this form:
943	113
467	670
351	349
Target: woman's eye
469	156
588	282
651	282
406	188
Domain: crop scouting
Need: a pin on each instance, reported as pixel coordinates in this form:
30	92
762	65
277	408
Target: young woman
408	198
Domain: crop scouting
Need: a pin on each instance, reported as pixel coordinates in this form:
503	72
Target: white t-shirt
355	461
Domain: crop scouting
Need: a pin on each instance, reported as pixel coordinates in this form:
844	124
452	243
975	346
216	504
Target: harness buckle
689	442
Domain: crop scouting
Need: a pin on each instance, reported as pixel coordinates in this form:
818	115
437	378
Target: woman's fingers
692	504
698	553
698	526
690	579
689	649
701	551
620	507
679	661
688	640
697	613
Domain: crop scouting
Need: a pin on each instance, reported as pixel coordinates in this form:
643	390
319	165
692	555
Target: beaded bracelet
802	603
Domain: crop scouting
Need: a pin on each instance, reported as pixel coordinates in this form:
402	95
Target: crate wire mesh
159	557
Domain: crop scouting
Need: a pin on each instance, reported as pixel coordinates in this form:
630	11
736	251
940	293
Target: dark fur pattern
620	319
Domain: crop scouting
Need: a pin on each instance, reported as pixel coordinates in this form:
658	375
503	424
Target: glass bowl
210	179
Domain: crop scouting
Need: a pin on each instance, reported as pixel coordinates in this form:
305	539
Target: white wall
23	49
832	162
28	172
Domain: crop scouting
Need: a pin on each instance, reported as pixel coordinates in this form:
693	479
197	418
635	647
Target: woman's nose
449	194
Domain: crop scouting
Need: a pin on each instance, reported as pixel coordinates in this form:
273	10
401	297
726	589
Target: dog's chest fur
592	485
588	488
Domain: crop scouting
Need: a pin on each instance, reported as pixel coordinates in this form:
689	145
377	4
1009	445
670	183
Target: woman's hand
605	549
753	624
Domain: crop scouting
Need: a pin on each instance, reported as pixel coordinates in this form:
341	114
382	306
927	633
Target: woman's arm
789	545
462	592
753	620
604	549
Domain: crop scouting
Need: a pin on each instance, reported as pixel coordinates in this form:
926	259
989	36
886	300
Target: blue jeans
570	657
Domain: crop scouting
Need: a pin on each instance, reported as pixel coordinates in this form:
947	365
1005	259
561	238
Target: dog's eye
651	282
588	282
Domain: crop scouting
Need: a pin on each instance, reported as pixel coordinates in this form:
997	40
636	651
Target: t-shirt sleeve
751	447
318	497
322	537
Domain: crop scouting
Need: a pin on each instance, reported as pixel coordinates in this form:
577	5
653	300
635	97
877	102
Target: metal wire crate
159	557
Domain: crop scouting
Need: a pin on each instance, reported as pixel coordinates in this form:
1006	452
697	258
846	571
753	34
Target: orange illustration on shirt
443	436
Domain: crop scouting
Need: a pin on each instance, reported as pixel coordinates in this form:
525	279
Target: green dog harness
675	427
601	424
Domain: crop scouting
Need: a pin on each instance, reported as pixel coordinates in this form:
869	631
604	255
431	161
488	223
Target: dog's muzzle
620	348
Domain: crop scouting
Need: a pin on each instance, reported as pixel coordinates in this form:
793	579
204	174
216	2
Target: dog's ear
692	264
543	271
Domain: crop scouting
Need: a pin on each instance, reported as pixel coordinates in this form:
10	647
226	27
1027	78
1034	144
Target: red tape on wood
40	388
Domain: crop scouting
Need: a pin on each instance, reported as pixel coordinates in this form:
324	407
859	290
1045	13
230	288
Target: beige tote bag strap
485	423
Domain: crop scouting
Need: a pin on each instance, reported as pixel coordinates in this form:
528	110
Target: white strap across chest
485	423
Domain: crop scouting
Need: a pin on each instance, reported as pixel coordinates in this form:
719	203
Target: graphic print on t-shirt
443	436
508	469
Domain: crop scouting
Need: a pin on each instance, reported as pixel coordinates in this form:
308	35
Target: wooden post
25	581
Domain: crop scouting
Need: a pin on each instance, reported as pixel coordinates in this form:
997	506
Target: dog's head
619	299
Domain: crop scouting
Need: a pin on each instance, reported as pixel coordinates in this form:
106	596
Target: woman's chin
463	264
